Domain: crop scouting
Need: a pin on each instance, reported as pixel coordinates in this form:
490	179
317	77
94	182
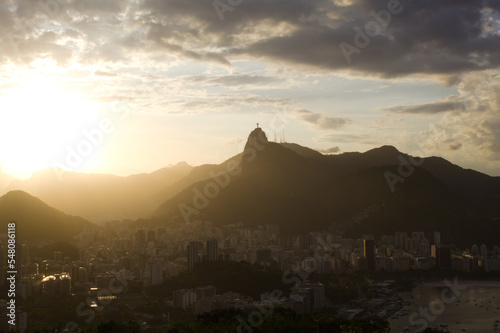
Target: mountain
379	191
100	197
5	181
196	174
35	220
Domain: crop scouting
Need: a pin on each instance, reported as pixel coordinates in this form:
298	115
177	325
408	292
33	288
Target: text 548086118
11	279
11	252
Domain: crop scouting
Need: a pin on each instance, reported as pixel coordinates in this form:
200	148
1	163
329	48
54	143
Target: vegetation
232	320
240	277
280	321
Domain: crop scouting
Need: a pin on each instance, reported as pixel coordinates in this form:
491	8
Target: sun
37	120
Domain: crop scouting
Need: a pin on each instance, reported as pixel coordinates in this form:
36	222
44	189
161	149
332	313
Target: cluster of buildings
155	254
307	297
402	252
151	255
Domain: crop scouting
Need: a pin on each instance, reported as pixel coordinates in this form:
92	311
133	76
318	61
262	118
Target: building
82	274
483	251
21	319
156	274
151	236
400	240
183	298
56	285
140	237
58	256
192	255
212	250
400	264
205	292
443	257
383	263
437	238
263	255
19	259
369	253
2	261
311	295
104	281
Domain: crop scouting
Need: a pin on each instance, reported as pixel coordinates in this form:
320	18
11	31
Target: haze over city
257	166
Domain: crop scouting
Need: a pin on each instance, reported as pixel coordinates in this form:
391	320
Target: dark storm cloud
428	36
432	37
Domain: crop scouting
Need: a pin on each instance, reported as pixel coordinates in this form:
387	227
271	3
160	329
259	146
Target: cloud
192	103
320	120
454	146
235	142
475	132
104	74
235	80
331	150
427	37
439	37
351	138
446	105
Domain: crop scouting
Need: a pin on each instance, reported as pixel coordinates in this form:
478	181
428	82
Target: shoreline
468	283
475	308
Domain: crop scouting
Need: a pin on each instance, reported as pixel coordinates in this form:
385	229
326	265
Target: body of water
458	306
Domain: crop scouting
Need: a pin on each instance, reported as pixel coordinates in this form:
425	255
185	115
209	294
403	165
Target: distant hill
101	197
302	191
5	181
35	220
195	175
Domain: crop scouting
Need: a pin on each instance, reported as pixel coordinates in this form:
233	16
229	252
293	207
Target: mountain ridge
35	220
302	192
101	197
296	187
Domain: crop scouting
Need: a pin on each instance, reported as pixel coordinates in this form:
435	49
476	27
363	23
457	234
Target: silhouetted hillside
35	220
195	175
99	197
5	181
302	191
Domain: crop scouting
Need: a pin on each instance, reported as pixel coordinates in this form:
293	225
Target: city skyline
249	166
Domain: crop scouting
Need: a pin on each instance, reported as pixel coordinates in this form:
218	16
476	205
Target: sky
131	86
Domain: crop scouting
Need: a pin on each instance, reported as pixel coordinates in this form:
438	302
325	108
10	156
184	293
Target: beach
453	305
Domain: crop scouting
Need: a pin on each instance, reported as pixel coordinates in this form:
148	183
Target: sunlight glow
37	120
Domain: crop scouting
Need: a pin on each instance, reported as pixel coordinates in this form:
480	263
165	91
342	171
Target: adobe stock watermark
426	315
406	168
75	154
103	298
296	275
220	180
372	29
